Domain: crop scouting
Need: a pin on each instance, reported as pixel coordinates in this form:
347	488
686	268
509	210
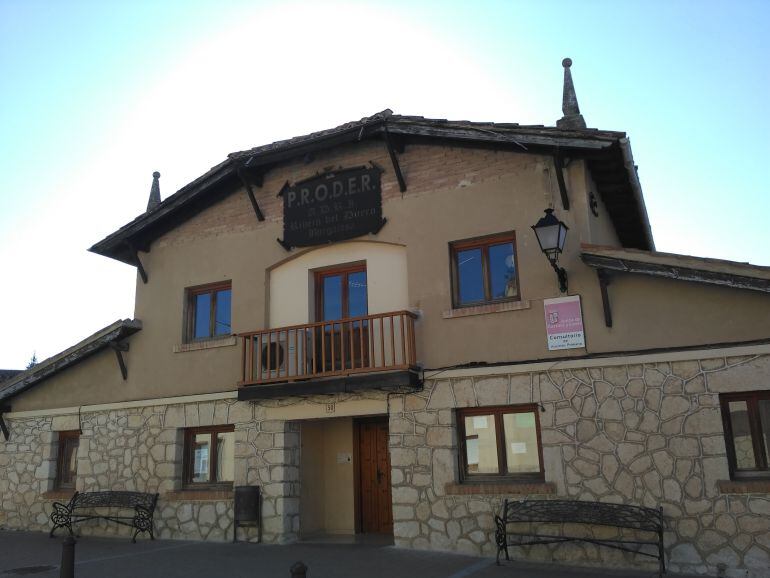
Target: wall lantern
551	234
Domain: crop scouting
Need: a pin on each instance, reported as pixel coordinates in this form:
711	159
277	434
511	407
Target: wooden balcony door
342	294
374	493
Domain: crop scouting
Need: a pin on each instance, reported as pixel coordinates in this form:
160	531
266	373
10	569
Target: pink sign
564	323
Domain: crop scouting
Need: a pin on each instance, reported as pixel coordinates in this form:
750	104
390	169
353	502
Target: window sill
225	341
485	309
58	495
744	486
198	495
501	488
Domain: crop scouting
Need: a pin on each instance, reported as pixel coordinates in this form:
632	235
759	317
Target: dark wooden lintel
394	160
389	381
3	426
119	348
558	163
250	191
604	281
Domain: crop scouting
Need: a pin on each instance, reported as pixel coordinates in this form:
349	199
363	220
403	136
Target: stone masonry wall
648	435
141	450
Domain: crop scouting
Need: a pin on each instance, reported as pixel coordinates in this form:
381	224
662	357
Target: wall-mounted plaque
332	206
564	323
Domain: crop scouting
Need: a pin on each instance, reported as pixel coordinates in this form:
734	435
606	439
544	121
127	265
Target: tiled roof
23	380
6	374
608	149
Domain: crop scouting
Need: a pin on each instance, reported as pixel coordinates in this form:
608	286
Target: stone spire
569	104
154	192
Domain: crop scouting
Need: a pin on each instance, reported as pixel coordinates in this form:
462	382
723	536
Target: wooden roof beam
241	172
3	426
394	159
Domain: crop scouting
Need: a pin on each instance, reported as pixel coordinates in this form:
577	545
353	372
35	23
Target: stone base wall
647	435
644	434
141	450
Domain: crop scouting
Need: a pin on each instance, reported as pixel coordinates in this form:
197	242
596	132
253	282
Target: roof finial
569	104
154	192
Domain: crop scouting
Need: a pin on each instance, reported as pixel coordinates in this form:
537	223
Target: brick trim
547	488
197	495
744	486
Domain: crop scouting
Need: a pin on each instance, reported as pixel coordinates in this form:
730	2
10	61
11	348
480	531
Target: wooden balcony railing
382	342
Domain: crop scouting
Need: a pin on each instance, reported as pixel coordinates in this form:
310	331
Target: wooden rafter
137	261
604	281
247	183
119	348
3	426
558	164
394	159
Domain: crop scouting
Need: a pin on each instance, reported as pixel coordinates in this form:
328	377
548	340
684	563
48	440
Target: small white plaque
518	448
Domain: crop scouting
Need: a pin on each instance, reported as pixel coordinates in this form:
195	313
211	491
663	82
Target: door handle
379	476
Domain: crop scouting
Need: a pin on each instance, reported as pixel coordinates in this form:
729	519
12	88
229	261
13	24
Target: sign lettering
332	206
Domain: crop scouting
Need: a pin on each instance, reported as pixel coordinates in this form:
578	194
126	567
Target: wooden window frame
482	243
497	412
189	458
752	399
191	293
344	270
65	440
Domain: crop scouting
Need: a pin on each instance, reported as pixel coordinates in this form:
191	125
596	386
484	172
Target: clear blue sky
94	96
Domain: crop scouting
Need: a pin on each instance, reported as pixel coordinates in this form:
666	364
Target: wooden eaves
111	336
609	261
606	152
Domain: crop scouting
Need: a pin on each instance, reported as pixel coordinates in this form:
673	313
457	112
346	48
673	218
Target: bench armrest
142	518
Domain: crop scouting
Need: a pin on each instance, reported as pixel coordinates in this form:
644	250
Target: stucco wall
453	193
327	493
292	284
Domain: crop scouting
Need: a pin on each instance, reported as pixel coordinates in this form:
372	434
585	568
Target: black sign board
332	206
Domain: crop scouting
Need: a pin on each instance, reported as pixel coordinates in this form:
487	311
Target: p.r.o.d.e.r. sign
332	206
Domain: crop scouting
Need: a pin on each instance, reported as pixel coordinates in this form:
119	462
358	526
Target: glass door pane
357	297
521	443
331	292
481	444
742	442
200	471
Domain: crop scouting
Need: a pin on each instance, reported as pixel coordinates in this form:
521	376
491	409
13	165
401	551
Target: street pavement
34	554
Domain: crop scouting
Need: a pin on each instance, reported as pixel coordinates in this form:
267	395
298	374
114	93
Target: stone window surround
483	243
213	343
508	482
486	309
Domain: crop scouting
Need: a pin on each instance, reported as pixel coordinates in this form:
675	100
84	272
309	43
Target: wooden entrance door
375	510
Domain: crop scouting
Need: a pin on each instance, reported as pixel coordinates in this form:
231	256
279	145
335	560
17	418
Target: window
341	293
500	442
209	456
208	311
484	270
67	460
746	420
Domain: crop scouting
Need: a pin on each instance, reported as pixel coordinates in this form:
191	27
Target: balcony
329	356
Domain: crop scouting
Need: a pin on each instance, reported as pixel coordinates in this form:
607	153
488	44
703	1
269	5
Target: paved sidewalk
35	555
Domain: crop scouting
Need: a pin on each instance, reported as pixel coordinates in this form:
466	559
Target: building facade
362	323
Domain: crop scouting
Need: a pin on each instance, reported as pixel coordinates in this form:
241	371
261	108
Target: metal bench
85	505
510	530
